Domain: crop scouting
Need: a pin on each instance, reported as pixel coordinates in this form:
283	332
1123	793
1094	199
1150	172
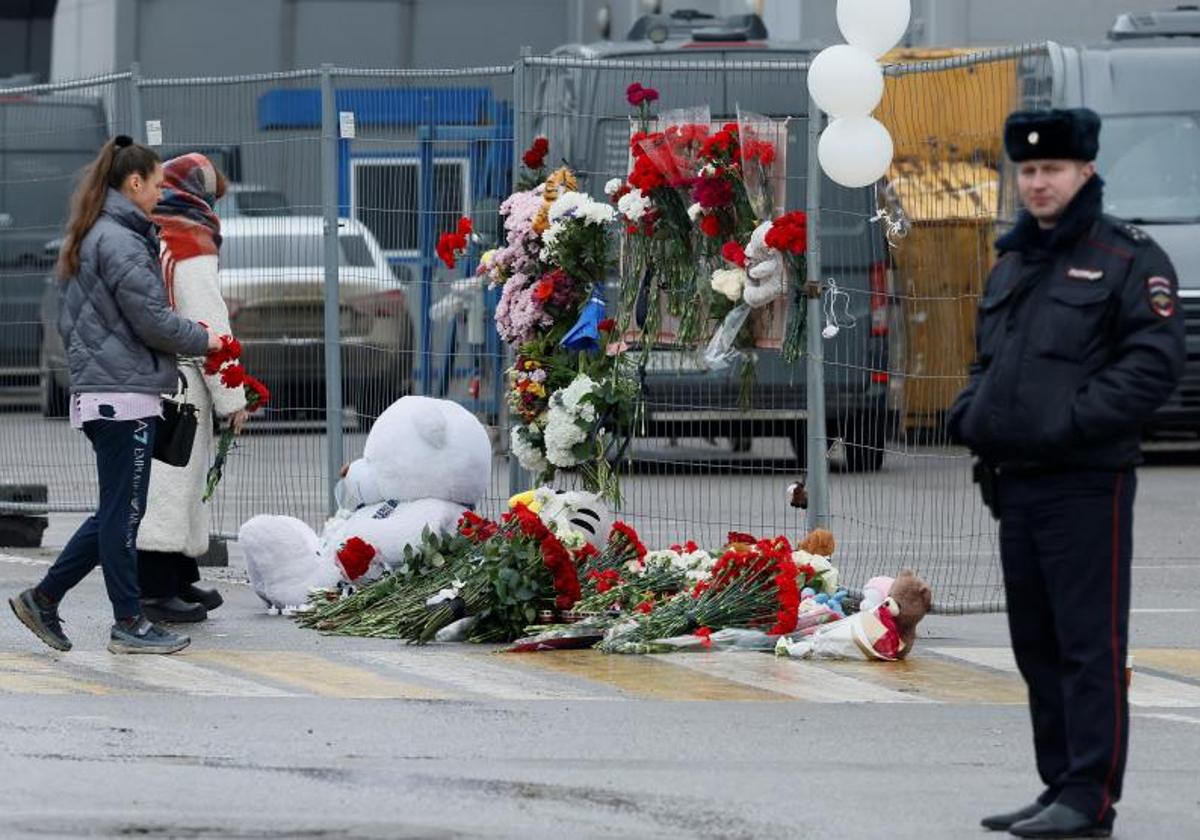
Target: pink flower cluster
520	254
519	314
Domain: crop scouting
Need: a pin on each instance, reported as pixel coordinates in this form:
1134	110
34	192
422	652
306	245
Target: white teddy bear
764	269
425	463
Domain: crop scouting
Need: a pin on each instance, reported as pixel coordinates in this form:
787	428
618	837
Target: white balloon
874	26
845	81
855	151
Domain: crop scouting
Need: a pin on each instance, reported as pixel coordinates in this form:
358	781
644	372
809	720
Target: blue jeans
124	449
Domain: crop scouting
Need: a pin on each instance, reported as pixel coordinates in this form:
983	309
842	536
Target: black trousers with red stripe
1066	546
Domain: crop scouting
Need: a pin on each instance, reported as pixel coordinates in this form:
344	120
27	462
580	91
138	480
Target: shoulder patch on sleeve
1162	298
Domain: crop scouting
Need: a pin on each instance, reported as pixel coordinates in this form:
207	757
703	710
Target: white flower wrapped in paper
873	636
613	185
729	282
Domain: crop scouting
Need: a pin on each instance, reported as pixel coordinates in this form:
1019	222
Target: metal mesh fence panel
705	460
397	157
429	148
271	272
939	210
48	134
902	266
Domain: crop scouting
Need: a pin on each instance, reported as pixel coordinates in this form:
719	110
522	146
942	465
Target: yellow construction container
947	127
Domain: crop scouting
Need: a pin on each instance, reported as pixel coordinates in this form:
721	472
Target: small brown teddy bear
819	542
915	599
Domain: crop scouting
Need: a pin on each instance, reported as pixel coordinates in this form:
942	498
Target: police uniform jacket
1079	340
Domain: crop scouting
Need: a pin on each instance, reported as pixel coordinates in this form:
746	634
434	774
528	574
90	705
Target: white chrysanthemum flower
571	539
579	388
825	573
633	205
612	186
529	456
662	557
566	205
695	211
729	282
598	213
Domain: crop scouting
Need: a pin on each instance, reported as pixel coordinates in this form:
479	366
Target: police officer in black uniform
1079	339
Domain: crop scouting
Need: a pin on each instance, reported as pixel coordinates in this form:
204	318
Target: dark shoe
41	618
210	599
1003	822
1060	821
173	610
140	636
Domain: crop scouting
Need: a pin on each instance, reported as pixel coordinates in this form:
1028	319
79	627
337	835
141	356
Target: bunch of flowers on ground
754	584
499	576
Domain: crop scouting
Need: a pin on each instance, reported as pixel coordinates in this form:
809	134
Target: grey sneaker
140	636
42	619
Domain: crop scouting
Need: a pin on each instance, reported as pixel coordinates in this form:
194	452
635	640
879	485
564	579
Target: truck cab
1144	82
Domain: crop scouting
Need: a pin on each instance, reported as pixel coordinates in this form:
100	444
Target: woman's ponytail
118	159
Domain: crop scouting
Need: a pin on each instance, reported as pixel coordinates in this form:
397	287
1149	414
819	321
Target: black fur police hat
1072	134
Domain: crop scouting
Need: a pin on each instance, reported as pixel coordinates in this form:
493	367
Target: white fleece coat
176	519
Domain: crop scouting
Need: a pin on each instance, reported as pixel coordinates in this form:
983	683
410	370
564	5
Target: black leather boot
1003	822
210	599
173	610
1061	821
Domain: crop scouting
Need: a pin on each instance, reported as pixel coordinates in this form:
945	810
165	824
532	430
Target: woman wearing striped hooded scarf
175	528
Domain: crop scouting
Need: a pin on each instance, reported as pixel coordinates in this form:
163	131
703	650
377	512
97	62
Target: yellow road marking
643	676
26	673
934	678
318	675
1179	661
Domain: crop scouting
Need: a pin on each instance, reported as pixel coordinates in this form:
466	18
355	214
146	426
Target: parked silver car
273	281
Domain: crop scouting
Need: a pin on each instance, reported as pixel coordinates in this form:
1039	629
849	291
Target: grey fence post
818	463
518	476
333	336
138	130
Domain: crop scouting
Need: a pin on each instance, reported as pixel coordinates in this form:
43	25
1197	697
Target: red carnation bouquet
789	236
514	570
224	362
754	584
451	246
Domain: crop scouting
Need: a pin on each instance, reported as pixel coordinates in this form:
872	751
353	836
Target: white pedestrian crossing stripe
800	680
174	674
475	675
947	675
1144	689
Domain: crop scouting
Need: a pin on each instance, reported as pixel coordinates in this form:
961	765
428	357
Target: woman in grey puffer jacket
121	339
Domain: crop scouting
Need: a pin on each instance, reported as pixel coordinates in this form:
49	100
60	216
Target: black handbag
176	433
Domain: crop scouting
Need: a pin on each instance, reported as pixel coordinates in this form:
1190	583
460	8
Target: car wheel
55	399
864	435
